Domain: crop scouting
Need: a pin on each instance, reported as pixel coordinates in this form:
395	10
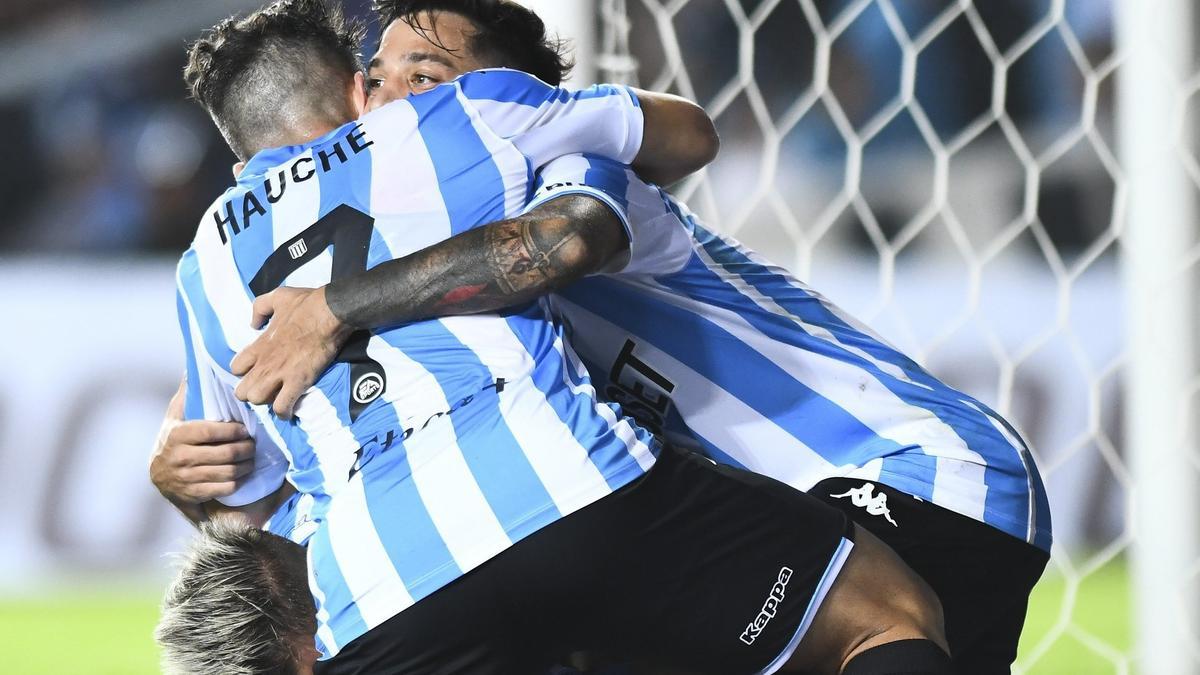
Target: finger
216	455
204	492
204	432
261	391
245	359
219	473
263	308
188	457
285	401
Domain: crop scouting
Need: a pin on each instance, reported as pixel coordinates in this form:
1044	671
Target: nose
386	93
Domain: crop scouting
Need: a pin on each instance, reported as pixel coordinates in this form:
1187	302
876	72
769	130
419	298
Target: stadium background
946	170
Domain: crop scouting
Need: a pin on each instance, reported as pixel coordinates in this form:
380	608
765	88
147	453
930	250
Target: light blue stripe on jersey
193	403
608	176
379	251
499	465
1008	491
345	621
473	193
256	241
510	86
817	422
583	421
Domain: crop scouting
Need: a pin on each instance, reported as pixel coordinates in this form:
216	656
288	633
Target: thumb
175	407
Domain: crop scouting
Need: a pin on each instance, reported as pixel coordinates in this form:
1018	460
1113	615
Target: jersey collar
266	159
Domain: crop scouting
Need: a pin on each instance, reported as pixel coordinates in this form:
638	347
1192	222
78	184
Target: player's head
278	76
240	604
427	42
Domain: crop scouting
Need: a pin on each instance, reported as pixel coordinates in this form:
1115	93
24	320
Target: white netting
947	170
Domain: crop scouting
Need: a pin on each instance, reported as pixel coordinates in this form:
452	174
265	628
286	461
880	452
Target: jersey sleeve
659	239
546	122
210	397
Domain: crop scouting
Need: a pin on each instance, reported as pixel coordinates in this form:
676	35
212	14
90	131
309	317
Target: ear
358	94
237	169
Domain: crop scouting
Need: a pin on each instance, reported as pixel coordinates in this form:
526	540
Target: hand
299	344
195	462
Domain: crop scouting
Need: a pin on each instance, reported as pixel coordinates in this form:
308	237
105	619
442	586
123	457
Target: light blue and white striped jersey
705	341
429	448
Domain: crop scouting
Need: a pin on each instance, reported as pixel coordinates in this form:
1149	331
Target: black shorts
982	576
705	568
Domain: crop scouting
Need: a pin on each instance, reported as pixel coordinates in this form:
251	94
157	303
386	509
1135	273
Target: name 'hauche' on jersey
461	435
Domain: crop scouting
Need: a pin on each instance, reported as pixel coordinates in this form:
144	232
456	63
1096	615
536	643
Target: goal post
1157	42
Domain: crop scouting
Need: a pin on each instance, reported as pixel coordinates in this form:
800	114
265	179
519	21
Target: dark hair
240	604
287	60
507	34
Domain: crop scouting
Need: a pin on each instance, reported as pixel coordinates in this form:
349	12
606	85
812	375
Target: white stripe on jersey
718	416
771	306
512	164
408	215
228	297
332	444
550	446
324	633
448	489
601	118
289	217
371	578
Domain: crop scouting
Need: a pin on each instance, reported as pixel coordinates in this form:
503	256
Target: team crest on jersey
297	249
367	388
864	498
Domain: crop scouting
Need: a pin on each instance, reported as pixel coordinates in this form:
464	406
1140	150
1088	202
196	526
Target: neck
297	133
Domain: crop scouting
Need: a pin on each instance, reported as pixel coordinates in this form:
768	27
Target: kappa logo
755	627
367	388
298	249
865	497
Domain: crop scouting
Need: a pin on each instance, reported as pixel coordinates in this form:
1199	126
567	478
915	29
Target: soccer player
709	344
463	483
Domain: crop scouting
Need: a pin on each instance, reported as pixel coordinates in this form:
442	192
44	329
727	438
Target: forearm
257	513
195	513
500	265
679	138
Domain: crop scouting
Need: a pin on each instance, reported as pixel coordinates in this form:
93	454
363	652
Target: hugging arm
500	265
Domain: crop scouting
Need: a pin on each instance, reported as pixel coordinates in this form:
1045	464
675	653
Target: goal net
1005	190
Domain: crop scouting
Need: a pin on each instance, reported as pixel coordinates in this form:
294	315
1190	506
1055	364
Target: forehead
445	34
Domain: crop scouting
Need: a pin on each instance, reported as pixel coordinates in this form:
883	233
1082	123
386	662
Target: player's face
408	62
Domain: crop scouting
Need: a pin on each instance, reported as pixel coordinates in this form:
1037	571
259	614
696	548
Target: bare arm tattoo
500	265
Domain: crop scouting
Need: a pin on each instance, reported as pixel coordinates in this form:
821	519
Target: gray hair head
240	605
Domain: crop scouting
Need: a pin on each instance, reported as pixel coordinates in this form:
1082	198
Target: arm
664	137
489	268
680	138
486	269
